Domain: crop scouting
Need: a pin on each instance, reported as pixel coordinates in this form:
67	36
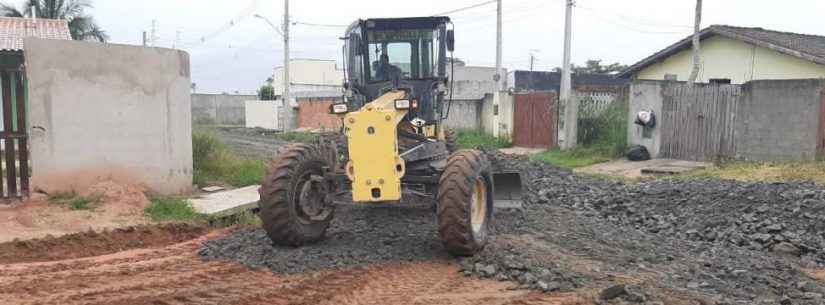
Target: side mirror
450	40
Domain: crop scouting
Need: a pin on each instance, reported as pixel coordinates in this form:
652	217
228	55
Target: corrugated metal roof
13	30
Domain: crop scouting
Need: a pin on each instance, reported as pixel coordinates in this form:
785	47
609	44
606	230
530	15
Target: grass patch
297	136
73	201
214	163
766	171
469	139
577	157
170	208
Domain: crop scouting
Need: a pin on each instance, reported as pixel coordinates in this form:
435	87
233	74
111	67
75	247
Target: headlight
338	108
402	104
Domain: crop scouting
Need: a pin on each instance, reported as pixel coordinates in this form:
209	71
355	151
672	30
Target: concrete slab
227	202
521	150
638	169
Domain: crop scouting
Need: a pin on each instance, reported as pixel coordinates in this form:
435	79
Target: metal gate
14	155
535	120
697	123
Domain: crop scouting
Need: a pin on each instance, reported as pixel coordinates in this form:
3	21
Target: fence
14	170
761	120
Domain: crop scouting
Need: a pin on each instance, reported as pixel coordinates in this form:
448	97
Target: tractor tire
465	202
450	140
290	185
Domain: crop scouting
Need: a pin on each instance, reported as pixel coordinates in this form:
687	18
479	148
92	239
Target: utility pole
694	73
153	37
144	38
285	96
570	105
532	58
498	76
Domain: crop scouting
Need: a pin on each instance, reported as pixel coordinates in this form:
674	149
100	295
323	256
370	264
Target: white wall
262	114
305	74
108	112
739	61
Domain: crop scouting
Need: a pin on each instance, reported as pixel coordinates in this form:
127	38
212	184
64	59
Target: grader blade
507	190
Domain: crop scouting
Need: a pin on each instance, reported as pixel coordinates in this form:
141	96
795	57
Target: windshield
409	54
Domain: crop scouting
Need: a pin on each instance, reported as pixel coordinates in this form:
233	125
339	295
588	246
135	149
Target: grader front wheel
465	202
294	208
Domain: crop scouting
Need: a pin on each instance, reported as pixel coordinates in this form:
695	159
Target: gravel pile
722	242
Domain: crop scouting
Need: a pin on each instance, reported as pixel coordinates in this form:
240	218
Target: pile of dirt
92	243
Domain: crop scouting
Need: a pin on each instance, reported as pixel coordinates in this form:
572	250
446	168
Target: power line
591	13
466	8
640	21
319	24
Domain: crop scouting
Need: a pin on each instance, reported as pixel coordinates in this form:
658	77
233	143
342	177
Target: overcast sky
239	55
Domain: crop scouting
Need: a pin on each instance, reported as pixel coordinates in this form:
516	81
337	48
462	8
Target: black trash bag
638	153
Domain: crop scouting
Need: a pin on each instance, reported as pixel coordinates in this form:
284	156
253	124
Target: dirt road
175	274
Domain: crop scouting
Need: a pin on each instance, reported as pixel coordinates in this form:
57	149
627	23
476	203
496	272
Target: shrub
469	139
165	209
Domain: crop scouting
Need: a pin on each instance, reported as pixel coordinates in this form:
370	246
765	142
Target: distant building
309	75
551	81
737	55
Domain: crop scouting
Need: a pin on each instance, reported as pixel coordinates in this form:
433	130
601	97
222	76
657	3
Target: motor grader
392	143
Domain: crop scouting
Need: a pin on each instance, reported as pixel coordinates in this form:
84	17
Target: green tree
594	66
266	93
81	25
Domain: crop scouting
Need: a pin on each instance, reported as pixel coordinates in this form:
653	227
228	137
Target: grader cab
392	143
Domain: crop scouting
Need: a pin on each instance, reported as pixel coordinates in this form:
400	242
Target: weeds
170	208
213	163
73	201
577	157
766	171
468	139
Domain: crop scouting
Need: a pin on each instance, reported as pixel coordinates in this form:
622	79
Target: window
411	54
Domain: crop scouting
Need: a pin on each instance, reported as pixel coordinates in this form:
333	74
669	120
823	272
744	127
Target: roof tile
13	30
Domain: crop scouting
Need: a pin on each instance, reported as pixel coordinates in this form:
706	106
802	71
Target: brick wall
314	114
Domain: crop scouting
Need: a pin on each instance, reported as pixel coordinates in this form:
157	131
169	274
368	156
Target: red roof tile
13	30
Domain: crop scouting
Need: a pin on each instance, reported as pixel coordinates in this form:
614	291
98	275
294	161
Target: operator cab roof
403	23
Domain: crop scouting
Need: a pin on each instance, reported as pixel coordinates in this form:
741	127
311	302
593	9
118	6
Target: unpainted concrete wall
498	124
779	120
108	112
220	109
645	95
262	114
464	114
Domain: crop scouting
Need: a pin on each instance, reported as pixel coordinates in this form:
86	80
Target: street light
285	35
270	24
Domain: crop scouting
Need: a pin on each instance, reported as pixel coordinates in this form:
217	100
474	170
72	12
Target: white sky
242	56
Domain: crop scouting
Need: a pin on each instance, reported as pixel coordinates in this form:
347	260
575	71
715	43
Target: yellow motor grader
392	142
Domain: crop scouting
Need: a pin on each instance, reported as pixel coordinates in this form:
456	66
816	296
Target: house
737	55
472	87
551	81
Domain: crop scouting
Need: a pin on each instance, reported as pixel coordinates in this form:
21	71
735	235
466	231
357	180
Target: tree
594	66
266	93
696	59
81	25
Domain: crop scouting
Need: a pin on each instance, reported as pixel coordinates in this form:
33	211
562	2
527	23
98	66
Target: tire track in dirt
176	275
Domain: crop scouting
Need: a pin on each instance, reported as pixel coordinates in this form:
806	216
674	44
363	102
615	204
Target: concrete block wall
220	109
102	112
779	120
262	114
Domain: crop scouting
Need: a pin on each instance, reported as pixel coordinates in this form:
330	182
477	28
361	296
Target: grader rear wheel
294	207
465	202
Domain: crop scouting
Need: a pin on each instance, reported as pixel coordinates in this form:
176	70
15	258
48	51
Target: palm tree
81	25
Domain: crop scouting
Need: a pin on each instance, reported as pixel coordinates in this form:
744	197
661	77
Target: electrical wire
465	8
